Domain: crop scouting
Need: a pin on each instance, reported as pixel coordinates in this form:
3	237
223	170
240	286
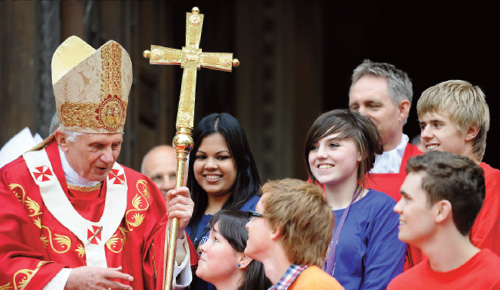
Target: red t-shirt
485	232
479	272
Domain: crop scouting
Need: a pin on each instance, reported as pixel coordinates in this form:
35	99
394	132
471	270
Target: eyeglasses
252	215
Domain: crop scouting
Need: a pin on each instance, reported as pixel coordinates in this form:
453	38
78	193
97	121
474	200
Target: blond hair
466	106
299	209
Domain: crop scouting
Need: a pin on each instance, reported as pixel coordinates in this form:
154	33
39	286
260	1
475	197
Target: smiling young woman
364	251
223	262
222	175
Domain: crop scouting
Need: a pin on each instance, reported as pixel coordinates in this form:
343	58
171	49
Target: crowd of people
376	212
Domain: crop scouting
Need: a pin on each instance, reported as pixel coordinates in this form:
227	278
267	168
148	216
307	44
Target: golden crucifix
191	59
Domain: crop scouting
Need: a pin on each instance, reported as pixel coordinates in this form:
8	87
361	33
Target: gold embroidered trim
134	217
111	114
58	243
85	188
111	76
22	277
80	250
108	113
116	243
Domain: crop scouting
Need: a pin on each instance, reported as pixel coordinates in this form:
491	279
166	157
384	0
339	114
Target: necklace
329	266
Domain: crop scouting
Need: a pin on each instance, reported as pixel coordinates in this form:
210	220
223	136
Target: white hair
71	135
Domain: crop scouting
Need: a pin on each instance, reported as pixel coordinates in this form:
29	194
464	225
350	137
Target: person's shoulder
491	176
489	258
379	198
412	150
135	177
251	203
133	173
254	199
15	166
490	173
488	169
409	277
376	206
315	278
484	266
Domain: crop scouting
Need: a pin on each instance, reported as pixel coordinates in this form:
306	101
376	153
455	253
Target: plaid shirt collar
290	275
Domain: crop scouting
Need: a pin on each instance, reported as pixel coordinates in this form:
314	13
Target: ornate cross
191	59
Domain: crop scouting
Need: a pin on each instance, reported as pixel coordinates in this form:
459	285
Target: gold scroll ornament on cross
191	59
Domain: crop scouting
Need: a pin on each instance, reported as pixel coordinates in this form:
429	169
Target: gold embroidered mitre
91	86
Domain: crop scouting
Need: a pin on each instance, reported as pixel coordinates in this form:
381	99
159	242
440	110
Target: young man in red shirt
440	199
455	117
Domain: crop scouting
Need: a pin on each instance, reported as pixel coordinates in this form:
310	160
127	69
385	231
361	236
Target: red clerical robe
44	229
390	183
485	232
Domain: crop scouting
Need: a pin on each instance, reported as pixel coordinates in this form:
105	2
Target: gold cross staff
191	59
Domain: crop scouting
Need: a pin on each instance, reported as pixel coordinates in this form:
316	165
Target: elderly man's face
92	155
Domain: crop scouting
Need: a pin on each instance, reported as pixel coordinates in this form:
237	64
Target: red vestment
390	183
36	243
485	232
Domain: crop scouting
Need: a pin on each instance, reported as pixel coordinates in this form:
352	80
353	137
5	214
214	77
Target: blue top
369	254
201	236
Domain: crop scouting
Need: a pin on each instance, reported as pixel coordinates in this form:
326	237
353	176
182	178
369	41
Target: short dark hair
454	178
349	125
232	228
247	183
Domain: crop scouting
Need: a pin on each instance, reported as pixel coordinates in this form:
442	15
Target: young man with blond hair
289	233
455	117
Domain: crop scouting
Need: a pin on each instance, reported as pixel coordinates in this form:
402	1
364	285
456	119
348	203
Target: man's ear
244	261
404	109
443	211
471	134
61	139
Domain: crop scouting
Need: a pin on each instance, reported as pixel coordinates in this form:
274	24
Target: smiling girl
222	175
365	252
223	262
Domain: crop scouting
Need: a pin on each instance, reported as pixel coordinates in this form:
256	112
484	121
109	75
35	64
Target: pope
72	217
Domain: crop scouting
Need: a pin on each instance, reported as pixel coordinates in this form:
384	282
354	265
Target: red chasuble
390	183
485	233
45	227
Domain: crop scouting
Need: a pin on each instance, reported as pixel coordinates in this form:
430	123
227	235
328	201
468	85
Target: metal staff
191	59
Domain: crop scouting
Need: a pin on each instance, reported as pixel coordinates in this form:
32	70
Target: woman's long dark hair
232	228
247	183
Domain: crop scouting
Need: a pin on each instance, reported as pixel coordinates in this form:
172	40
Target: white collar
390	161
70	174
